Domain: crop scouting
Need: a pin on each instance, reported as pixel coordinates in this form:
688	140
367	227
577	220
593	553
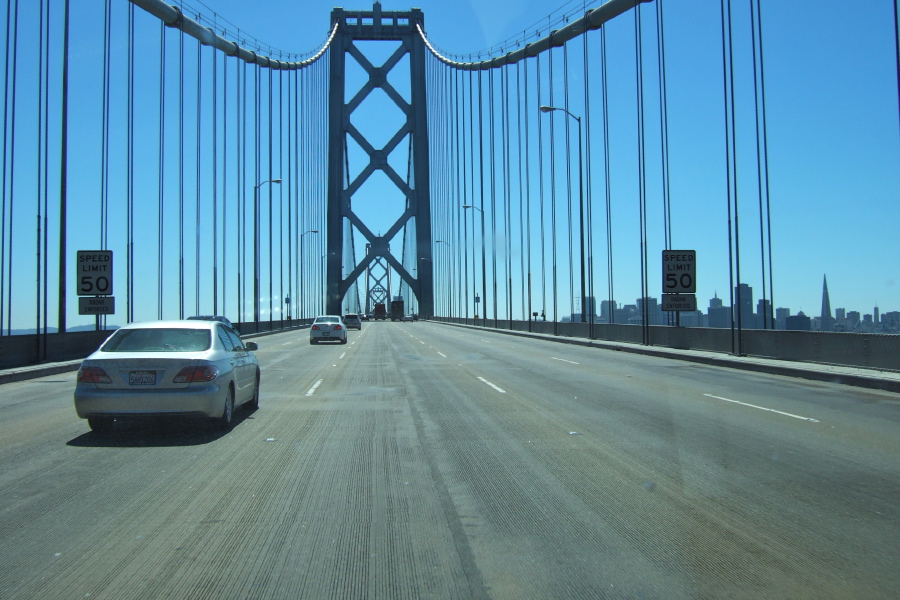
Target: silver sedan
168	368
328	327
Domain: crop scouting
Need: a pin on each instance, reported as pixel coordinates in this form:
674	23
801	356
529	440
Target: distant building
875	315
743	307
798	322
827	321
764	317
781	315
650	307
853	318
718	315
607	310
840	314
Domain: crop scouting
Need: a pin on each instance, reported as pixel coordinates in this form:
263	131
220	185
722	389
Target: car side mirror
251	346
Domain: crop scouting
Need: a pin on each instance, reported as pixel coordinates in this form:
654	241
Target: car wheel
344	341
225	421
100	424
312	341
253	403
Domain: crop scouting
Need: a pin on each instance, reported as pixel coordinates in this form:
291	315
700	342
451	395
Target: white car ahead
190	367
326	328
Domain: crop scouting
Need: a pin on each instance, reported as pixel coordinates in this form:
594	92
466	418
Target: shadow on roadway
157	432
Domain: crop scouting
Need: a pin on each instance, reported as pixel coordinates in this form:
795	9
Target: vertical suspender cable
104	159
292	183
493	184
570	236
181	287
507	196
129	310
765	147
63	175
46	186
664	124
726	45
762	159
455	206
9	153
296	292
642	174
493	179
611	306
664	139
39	337
520	142
257	175
553	200
242	187
541	188
589	187
160	205
529	310
271	193
472	189
225	169
481	194
461	112
896	46
281	171
197	183
215	180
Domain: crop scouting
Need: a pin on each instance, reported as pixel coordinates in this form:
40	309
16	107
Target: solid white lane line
502	391
312	390
786	414
564	360
442	354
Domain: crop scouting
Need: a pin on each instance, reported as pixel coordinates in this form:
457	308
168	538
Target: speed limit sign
94	272
679	270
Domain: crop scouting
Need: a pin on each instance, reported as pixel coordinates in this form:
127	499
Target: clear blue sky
834	138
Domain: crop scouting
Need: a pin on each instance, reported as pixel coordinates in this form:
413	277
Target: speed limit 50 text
679	271
94	272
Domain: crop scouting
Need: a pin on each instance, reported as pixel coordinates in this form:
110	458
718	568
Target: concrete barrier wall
848	349
22	350
872	351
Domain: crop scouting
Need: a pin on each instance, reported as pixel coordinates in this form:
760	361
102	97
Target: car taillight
93	375
337	327
195	374
316	327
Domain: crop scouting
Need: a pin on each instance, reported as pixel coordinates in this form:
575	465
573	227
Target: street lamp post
546	109
300	243
483	262
256	248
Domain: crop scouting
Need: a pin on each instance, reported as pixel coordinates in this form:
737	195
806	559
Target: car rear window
158	340
328	320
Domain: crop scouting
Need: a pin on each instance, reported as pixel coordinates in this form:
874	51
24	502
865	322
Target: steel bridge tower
392	26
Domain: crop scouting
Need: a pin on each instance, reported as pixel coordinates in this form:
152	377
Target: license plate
142	378
326	333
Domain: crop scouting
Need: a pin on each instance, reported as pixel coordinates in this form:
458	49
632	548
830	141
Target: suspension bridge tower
387	26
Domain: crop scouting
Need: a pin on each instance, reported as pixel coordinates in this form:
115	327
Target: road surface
429	461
